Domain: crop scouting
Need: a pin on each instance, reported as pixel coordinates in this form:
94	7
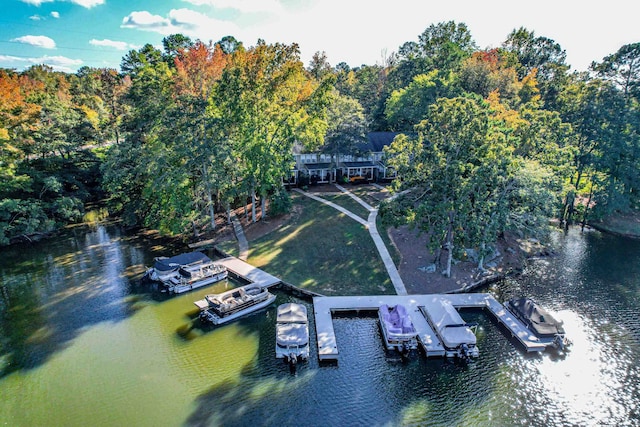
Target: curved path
370	224
243	244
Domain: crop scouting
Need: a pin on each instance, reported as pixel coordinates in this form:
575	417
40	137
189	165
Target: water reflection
93	348
50	292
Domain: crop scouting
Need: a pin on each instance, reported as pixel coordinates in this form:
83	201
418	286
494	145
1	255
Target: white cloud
36	17
88	3
84	3
184	21
112	43
58	63
38	41
55	14
245	6
143	20
37	2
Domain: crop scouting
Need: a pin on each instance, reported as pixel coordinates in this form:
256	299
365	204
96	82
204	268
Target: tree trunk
253	205
263	206
209	198
481	257
449	245
196	234
586	208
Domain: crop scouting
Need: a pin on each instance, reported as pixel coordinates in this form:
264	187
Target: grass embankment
322	250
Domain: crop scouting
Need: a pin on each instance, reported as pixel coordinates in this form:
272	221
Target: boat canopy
452	329
543	323
173	263
291	325
292	313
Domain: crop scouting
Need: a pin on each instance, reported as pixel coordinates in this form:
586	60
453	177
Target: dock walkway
246	271
324	307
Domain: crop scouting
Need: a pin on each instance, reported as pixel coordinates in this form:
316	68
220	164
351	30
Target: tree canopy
493	140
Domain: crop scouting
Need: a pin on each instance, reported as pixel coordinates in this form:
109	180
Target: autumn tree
265	102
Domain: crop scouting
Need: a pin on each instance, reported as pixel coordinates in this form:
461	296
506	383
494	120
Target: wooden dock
416	305
238	268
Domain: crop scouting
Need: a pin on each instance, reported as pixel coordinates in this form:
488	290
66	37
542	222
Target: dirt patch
416	258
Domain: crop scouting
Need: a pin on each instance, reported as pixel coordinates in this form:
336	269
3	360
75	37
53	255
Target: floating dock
417	306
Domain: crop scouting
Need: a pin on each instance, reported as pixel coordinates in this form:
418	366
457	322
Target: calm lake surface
82	344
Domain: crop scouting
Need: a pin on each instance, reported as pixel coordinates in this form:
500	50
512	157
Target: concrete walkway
370	224
243	244
333	205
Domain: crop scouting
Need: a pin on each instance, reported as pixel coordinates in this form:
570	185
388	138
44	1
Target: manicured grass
324	251
229	246
366	193
345	201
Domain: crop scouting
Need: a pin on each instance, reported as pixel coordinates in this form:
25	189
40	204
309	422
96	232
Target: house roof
376	141
317	166
366	164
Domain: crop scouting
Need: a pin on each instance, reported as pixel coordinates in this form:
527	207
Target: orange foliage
14	110
198	68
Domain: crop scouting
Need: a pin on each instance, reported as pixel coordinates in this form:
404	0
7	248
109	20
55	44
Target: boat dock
240	269
418	308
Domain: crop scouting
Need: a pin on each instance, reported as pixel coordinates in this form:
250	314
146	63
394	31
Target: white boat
397	328
292	333
234	303
185	272
458	337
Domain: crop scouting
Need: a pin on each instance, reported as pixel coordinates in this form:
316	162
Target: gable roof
376	141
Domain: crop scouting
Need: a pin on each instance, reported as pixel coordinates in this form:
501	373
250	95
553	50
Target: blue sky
68	34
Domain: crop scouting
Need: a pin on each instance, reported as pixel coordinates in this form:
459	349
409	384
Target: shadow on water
51	291
368	385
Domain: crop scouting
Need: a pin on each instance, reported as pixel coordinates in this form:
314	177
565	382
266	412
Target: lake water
81	344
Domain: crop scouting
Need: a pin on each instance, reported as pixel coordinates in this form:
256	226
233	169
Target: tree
319	66
135	61
173	45
265	103
467	179
445	45
543	56
408	106
229	44
346	125
622	68
488	71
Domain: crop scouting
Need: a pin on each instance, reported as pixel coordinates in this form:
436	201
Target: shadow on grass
324	251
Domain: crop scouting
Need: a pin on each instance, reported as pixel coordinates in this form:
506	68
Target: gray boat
539	321
292	333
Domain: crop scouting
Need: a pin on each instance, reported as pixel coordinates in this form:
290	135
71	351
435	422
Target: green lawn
321	250
368	193
347	202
